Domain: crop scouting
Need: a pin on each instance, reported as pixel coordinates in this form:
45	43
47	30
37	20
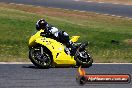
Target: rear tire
40	60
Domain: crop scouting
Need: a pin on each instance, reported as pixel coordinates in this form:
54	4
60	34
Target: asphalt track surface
28	76
104	8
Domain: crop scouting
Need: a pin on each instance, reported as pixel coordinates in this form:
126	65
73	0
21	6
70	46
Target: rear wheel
39	58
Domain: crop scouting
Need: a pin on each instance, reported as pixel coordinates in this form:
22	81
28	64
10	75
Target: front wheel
83	59
39	59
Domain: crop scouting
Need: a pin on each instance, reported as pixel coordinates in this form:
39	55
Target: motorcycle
45	52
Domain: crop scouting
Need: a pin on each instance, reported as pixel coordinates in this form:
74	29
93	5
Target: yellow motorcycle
45	52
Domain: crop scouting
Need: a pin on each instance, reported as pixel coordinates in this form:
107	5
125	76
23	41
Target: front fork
41	50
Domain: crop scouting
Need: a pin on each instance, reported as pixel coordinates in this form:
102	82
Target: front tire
38	59
83	59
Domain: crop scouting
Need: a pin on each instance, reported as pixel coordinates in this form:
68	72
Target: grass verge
110	37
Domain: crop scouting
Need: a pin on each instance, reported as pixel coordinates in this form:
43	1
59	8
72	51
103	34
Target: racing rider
53	32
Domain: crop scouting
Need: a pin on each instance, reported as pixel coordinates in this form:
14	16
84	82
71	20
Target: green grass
18	24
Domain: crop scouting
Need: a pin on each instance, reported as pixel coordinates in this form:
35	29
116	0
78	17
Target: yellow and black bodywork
54	52
60	58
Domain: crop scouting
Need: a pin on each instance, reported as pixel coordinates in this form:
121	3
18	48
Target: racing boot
72	48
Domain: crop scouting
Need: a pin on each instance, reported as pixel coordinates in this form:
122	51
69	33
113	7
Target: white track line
31	63
15	63
112	63
95	13
100	2
116	3
20	4
89	1
76	0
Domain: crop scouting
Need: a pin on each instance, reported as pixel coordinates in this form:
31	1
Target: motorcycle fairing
74	38
34	37
57	50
